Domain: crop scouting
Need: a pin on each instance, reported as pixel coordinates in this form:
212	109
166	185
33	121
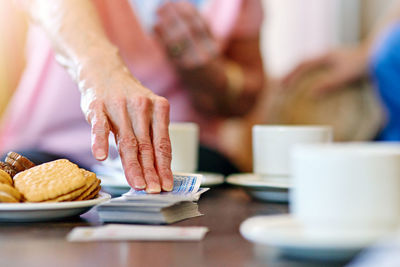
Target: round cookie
5	178
7	198
11	191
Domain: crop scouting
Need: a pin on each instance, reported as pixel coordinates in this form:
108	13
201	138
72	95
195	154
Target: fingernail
100	154
140	187
154	188
139	184
167	186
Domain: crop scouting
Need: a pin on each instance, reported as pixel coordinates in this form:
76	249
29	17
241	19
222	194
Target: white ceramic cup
345	189
185	146
272	144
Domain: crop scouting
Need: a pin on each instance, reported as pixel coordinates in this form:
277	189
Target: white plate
289	237
266	188
36	212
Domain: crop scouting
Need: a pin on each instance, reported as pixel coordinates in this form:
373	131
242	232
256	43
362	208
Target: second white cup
272	145
185	146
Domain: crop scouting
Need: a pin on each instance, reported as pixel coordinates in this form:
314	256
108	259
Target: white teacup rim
349	148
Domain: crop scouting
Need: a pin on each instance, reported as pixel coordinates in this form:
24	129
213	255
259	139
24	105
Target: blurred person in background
196	61
377	57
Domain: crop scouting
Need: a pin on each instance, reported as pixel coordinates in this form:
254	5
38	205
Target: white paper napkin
118	232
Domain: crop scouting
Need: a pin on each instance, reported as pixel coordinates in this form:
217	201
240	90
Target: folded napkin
114	232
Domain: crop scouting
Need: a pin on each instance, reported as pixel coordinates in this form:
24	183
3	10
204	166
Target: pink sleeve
249	19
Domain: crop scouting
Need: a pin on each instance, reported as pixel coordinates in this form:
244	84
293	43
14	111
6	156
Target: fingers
191	16
128	146
171	25
99	133
140	110
161	142
175	35
185	35
197	27
143	142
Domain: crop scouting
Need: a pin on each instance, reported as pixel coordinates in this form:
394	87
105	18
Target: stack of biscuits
55	181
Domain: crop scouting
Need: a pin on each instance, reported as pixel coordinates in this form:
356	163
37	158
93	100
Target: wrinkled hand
343	66
185	35
139	119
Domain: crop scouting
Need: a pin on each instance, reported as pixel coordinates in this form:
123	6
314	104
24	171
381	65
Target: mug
272	144
346	188
184	138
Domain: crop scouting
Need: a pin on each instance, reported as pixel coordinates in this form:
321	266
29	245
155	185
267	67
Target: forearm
78	38
111	100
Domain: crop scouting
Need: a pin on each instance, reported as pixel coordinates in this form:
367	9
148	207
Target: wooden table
44	244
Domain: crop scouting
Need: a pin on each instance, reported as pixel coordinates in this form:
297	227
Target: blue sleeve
385	71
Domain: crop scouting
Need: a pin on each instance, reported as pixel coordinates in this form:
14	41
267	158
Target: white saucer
266	188
115	185
38	212
211	179
289	237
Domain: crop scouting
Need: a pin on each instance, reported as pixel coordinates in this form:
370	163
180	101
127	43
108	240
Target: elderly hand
114	101
185	35
343	65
